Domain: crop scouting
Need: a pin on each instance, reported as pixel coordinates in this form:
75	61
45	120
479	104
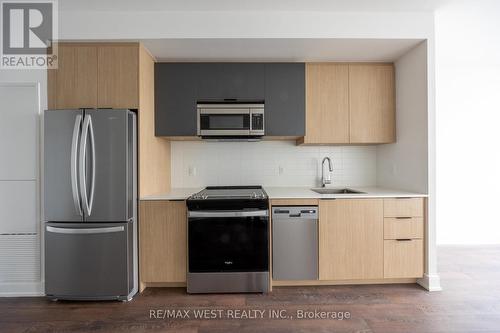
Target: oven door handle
236	213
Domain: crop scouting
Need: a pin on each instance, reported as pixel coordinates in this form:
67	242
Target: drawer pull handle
403	217
403	240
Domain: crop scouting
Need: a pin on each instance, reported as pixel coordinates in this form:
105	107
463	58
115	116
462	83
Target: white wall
269	163
404	164
468	122
243	24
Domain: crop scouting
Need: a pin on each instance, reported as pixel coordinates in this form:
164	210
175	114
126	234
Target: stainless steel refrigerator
90	204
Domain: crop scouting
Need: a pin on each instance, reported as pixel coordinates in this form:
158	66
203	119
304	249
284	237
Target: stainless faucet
328	179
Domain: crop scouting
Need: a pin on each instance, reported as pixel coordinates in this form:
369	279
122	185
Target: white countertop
297	193
307	193
174	194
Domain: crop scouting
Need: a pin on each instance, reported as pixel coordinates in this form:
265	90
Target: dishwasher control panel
295	211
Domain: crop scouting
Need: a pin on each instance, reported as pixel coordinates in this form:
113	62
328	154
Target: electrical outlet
281	170
192	171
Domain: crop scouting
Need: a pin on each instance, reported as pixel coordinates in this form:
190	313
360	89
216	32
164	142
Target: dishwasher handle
295	212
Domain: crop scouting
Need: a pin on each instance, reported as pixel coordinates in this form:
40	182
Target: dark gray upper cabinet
285	99
217	81
175	98
178	86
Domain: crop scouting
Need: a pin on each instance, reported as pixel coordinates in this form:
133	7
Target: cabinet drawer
403	258
406	227
404	207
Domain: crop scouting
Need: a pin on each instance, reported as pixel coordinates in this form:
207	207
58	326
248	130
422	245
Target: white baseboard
430	282
21	289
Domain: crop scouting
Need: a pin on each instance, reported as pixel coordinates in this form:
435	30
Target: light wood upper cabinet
351	239
74	84
372	103
118	76
327	103
162	243
95	75
349	104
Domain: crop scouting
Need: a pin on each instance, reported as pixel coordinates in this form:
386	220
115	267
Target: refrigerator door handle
92	182
87	126
74	163
85	230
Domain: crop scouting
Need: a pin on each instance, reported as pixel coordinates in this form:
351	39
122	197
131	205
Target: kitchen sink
326	190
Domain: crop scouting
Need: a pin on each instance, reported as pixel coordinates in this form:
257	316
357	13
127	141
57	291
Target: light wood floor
470	302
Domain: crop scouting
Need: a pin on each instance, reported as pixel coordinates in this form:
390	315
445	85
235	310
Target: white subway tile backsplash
270	163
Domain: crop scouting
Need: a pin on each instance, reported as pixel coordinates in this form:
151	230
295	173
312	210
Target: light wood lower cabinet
403	258
404	207
351	239
403	233
352	248
403	227
162	241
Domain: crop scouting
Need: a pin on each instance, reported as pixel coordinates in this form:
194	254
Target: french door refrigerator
90	204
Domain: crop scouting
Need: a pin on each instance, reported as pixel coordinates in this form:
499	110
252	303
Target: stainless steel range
228	240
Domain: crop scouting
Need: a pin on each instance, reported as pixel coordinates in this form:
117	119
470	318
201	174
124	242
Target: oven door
228	243
224	121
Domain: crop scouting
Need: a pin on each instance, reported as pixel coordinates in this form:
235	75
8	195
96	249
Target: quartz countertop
180	193
297	193
307	193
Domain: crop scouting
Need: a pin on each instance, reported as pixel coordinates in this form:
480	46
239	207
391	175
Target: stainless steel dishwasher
295	243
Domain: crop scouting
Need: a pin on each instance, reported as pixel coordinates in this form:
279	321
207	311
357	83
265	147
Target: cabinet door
351	236
327	108
175	99
231	80
285	99
404	258
74	84
162	231
404	207
118	76
372	103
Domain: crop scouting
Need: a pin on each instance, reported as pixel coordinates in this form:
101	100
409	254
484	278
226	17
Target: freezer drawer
89	260
295	243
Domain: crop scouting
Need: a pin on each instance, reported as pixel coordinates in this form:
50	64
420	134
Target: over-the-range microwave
231	120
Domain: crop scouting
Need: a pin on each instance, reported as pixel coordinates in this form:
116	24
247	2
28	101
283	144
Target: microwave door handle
74	165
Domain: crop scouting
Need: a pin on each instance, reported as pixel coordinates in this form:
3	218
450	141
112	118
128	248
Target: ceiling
254	5
288	50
